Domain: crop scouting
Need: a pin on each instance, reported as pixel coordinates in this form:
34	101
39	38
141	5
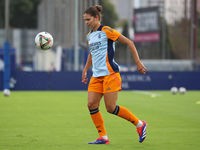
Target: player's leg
111	88
110	102
93	106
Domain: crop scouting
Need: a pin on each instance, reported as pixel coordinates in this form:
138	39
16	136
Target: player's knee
110	109
89	105
92	105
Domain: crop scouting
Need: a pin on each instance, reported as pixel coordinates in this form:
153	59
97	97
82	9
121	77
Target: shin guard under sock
98	121
126	114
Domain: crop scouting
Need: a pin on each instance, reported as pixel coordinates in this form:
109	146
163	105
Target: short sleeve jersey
102	49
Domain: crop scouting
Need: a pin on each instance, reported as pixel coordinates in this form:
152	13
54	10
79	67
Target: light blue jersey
102	49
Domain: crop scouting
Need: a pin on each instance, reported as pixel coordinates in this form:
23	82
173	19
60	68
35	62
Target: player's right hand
84	79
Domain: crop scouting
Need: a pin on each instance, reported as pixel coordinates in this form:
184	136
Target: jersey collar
99	29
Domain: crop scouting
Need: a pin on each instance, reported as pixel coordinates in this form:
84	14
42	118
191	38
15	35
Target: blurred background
166	34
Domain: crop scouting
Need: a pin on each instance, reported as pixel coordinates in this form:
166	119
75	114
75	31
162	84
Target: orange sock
98	121
126	114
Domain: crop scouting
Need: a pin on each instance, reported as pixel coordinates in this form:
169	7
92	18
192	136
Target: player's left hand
141	68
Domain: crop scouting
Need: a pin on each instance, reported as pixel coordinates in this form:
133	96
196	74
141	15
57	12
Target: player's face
91	21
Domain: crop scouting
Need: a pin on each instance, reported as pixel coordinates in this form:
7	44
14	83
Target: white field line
146	93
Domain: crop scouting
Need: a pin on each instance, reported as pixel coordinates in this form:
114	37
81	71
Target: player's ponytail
94	11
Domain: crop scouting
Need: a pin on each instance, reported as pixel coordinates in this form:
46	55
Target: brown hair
94	11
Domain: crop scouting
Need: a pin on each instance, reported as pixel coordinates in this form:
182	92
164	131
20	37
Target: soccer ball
44	40
182	90
174	90
6	92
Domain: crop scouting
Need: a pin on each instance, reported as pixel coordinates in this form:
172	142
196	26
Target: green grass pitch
60	120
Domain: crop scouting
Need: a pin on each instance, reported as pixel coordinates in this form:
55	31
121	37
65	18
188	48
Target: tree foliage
23	13
179	35
109	14
198	37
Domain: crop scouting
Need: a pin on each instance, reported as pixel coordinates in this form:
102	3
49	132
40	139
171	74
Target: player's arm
140	67
87	66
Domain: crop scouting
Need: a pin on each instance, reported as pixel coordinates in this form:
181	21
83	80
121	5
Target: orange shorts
105	84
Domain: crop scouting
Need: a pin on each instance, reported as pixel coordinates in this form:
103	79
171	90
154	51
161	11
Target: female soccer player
106	80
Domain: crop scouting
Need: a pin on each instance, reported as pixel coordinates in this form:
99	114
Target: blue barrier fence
130	80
